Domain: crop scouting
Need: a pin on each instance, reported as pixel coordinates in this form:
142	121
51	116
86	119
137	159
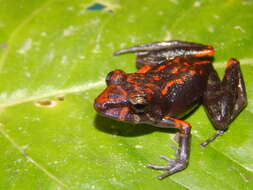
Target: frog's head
121	101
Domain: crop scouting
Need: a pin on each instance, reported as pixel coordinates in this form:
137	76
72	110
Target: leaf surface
54	56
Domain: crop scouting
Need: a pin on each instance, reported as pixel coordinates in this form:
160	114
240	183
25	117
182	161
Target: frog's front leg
183	151
224	99
158	52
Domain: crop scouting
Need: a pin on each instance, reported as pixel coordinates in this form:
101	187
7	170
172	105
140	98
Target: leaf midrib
79	88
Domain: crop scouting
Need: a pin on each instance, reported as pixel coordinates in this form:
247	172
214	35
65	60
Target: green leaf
54	56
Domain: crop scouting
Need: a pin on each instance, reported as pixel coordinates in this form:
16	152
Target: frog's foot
212	138
155	53
175	165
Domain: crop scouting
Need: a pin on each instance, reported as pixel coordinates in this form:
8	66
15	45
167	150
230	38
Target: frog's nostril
102	104
99	105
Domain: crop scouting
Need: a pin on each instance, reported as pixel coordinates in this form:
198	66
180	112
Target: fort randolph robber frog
173	77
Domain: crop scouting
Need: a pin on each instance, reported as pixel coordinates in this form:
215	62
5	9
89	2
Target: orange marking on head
118	72
106	95
132	80
103	97
116	76
137	87
144	69
149	91
123	113
122	90
160	68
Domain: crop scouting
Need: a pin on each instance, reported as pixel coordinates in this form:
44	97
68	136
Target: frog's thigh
225	99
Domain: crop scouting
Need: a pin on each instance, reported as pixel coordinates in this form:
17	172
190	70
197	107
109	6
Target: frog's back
182	84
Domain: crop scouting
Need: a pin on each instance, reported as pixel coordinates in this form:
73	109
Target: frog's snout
112	97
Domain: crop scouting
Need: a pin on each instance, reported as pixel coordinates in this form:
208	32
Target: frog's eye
115	77
138	103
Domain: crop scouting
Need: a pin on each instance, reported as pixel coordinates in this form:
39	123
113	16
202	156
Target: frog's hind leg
159	52
224	99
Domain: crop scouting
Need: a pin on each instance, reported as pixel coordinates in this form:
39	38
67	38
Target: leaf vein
16	31
30	159
38	96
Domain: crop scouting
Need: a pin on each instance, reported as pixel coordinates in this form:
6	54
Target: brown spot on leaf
46	103
60	98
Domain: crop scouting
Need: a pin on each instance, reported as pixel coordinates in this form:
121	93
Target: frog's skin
173	77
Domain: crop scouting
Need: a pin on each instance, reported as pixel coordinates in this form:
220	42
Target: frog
173	78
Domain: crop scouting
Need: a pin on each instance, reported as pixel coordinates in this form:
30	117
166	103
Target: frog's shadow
120	128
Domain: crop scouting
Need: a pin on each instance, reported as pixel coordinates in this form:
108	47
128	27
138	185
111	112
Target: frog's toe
174	166
171	169
175	148
167	167
155	167
167	159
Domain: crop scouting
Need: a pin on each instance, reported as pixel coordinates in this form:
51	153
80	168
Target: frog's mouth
121	113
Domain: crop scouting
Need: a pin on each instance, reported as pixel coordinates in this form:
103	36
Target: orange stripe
165	89
144	69
170	83
160	68
206	52
121	90
201	62
178	123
